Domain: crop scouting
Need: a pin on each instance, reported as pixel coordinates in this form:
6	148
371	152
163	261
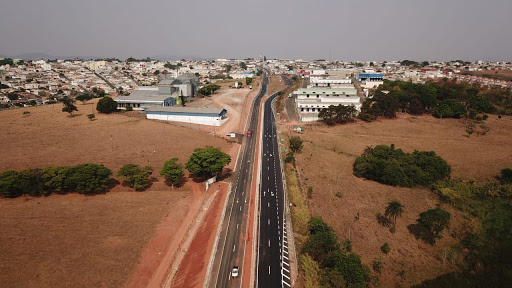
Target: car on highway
234	272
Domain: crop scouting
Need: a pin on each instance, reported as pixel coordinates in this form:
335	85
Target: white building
310	102
330	82
192	115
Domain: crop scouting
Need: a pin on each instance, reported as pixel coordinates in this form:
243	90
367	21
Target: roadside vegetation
94	178
323	260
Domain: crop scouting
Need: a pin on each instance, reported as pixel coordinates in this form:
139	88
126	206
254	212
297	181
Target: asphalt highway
233	238
273	263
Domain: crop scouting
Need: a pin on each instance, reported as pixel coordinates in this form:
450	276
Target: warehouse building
192	115
169	92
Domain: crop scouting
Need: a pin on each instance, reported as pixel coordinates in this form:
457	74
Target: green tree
228	67
172	171
156	72
106	105
385	248
394	210
296	144
91	116
248	81
206	162
69	106
87	178
83	98
135	176
435	221
243	66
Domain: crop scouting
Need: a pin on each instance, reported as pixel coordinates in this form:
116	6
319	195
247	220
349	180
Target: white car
234	272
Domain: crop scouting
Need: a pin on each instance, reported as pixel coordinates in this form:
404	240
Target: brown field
95	241
495	74
326	165
50	137
79	241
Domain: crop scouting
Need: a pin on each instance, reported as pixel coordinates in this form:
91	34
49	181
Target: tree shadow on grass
112	182
226	173
422	233
384	221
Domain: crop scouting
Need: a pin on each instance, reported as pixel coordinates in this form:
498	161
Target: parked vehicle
249	133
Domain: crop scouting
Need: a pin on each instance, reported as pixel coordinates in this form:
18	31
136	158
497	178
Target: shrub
129	107
290	158
339	194
310	192
505	176
378	265
296	144
385	248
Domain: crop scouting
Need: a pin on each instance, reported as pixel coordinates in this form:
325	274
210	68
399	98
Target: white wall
202	120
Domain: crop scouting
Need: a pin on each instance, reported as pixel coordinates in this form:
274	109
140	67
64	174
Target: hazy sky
312	29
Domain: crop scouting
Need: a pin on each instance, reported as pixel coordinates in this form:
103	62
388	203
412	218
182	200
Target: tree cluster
446	99
338	267
296	144
391	166
82	178
209	89
340	114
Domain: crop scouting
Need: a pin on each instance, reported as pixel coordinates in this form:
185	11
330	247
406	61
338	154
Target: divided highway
273	263
231	252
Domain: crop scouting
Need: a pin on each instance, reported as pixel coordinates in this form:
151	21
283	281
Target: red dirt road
193	268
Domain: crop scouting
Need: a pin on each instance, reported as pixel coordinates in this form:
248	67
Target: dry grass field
79	241
325	164
96	241
47	136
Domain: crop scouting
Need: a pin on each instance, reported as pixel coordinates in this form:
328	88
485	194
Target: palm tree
394	210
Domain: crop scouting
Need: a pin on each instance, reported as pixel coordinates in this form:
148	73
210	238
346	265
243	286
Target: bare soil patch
79	241
326	165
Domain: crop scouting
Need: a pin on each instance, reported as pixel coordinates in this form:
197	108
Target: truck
249	133
231	134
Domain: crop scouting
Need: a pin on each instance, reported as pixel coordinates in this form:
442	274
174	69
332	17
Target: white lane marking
233	248
269	270
287	284
286	277
285	257
237	226
268	221
268	242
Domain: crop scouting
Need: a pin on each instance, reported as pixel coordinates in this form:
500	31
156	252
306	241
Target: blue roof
371	75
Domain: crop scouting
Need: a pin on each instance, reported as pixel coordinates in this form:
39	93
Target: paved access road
273	262
233	238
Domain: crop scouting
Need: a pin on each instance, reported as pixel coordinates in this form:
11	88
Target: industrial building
169	92
370	80
192	115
